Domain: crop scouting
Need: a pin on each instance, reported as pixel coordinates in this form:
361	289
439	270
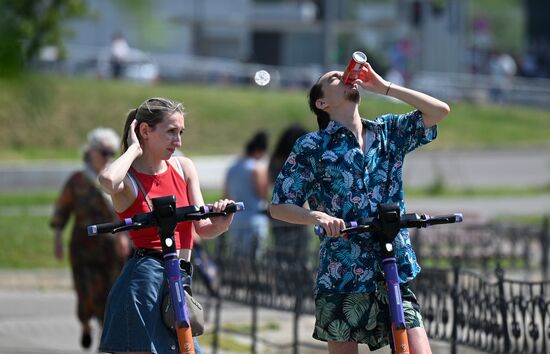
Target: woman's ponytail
132	114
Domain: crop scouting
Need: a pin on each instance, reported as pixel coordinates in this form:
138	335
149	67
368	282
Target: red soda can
358	59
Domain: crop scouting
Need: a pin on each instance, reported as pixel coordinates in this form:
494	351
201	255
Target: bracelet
388	89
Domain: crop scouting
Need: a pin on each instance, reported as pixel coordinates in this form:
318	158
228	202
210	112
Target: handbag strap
140	186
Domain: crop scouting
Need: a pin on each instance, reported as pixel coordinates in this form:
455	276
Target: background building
321	34
452	47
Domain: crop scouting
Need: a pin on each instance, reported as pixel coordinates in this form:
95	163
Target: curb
37	279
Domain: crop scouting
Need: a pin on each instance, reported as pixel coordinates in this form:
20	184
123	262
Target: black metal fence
493	315
480	309
483	246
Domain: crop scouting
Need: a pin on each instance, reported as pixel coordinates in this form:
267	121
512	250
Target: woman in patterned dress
95	261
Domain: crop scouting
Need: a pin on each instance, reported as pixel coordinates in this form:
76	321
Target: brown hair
152	112
283	149
316	92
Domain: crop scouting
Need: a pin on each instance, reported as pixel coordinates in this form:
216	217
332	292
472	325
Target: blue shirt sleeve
292	183
406	132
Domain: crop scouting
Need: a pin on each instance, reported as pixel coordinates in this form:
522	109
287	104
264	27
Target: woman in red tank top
152	133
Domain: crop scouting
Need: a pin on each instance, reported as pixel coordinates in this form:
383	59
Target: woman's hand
122	246
111	178
58	244
222	221
133	138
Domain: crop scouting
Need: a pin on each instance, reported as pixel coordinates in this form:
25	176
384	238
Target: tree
27	26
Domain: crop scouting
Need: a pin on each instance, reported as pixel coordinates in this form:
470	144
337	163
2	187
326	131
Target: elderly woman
95	261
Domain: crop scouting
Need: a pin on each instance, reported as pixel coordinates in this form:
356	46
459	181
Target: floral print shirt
329	170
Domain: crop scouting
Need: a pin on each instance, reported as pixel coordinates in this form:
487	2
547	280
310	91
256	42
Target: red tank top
170	182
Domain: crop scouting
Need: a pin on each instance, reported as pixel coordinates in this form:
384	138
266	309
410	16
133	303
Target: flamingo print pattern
329	170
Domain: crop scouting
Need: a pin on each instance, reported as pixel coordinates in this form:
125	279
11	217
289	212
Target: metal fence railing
483	246
460	306
493	315
484	88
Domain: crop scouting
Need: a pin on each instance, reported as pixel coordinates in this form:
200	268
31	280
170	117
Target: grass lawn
50	116
28	242
25	231
441	191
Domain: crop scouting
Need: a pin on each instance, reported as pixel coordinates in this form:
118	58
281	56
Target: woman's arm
433	110
58	246
114	180
63	208
259	180
112	177
208	228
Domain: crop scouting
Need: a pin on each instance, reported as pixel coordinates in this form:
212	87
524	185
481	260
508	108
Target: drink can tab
358	59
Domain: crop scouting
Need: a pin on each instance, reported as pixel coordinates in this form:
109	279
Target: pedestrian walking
95	261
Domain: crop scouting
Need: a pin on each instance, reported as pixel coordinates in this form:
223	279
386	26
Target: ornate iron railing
483	246
495	315
461	306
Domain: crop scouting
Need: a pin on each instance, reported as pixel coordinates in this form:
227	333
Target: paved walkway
37	316
456	168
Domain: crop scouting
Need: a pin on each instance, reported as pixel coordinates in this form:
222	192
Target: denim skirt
133	319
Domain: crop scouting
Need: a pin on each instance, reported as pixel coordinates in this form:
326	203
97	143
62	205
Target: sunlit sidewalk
37	316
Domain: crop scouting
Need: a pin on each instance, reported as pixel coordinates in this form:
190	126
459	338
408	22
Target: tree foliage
27	26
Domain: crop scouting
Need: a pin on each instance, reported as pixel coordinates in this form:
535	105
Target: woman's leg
86	336
342	347
84	301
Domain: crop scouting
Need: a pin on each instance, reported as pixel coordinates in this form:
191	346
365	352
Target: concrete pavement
482	208
479	168
456	168
37	316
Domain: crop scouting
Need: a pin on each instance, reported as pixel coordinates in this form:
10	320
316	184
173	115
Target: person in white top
120	51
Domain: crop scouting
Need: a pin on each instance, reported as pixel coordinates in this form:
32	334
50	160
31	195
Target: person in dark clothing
291	241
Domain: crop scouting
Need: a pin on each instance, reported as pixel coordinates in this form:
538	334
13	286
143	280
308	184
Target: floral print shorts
361	317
